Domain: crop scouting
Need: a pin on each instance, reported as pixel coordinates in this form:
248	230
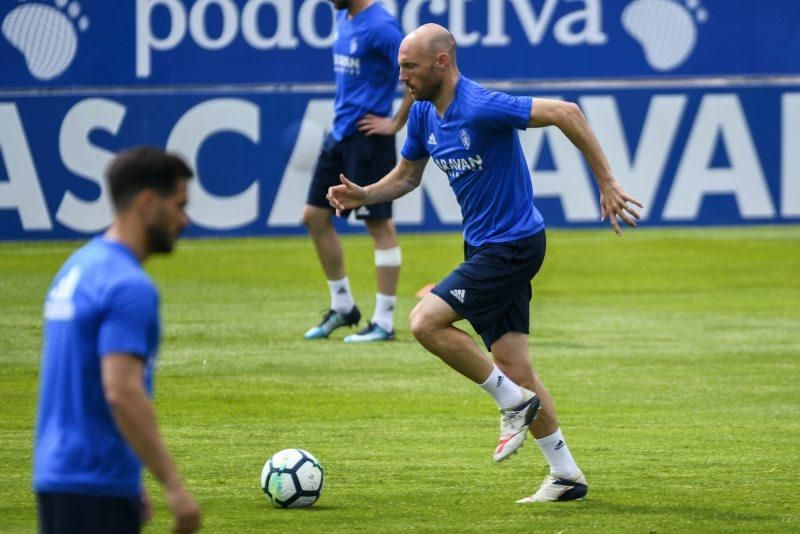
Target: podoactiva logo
46	35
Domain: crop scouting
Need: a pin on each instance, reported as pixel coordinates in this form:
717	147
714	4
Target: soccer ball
292	478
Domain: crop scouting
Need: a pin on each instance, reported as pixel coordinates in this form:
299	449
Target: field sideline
673	356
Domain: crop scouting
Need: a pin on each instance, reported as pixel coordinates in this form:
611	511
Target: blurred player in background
470	132
96	424
361	145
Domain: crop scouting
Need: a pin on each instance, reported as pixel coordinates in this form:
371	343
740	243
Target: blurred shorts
363	160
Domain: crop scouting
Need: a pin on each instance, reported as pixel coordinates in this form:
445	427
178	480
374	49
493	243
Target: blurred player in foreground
96	423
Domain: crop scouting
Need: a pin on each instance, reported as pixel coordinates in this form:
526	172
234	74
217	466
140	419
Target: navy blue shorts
69	513
492	288
363	160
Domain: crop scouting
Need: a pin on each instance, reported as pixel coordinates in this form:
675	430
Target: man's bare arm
404	178
568	118
374	125
135	417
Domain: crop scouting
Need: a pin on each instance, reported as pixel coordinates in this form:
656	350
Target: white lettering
534	26
187	138
291	197
640	174
790	161
22	190
458	23
59	305
455	167
719	117
346	64
496	32
590	19
146	40
283	36
86	160
230	24
582	26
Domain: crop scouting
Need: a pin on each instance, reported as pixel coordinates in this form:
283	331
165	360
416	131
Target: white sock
557	453
341	297
384	311
502	389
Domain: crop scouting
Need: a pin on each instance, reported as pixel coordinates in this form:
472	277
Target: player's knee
422	325
314	217
415	321
388	257
383	232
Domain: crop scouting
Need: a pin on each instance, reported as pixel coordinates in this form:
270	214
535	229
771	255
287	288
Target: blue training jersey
476	144
365	64
101	302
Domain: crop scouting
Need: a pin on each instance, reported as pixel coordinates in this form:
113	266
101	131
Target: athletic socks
502	389
507	395
341	298
384	311
555	450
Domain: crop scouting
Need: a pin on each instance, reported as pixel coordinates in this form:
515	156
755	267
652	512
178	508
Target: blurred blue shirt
100	302
365	65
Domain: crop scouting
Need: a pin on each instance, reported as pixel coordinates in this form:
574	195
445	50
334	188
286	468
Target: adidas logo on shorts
459	294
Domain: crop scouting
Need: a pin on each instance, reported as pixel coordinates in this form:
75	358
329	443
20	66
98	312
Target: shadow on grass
708	513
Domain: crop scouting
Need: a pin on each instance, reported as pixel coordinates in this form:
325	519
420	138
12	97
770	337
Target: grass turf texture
673	357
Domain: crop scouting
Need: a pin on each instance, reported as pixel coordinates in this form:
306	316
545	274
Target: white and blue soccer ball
292	478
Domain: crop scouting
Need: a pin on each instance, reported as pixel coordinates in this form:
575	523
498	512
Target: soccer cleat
514	424
558	488
333	320
371	332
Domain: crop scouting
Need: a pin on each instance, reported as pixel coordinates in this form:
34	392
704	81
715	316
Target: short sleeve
130	311
414	148
386	39
497	110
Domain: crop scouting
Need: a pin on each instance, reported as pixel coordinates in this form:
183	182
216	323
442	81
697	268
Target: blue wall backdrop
698	114
189	42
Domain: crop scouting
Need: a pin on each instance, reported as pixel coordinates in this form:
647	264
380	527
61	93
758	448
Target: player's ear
145	202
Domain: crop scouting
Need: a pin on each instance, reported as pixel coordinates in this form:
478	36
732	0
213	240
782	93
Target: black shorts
70	513
363	160
492	288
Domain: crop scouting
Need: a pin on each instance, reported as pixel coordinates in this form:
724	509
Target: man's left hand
373	125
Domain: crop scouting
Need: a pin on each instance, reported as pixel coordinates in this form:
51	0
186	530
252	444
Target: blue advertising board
702	155
83	43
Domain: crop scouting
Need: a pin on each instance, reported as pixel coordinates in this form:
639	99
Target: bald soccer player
470	132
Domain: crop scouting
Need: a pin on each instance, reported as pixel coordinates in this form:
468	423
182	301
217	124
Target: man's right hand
346	196
184	508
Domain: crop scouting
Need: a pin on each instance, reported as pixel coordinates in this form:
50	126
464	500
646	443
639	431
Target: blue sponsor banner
83	43
694	156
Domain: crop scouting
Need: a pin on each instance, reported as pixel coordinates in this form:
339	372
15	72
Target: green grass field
673	357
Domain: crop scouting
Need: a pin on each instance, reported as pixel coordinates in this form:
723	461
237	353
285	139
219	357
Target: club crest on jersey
353	46
465	140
